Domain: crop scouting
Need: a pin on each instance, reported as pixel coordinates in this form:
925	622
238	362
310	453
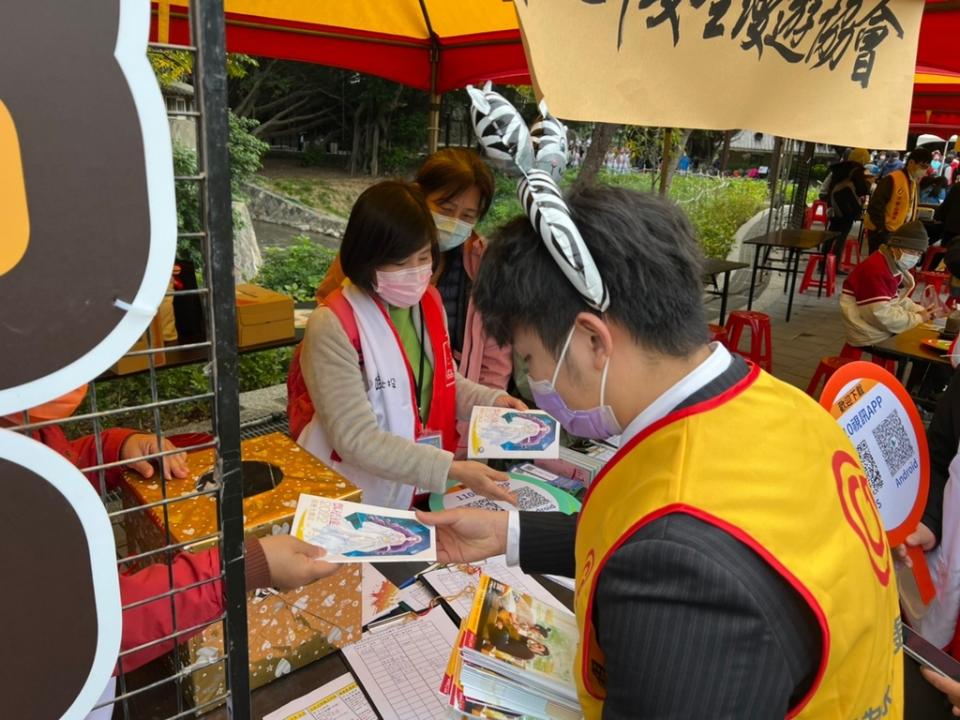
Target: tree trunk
725	153
600	141
673	151
355	147
375	151
666	164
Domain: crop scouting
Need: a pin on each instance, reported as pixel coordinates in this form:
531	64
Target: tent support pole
433	116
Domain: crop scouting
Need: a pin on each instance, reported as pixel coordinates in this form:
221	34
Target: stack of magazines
514	659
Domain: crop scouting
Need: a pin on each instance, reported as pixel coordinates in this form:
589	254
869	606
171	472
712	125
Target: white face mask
451	232
908	261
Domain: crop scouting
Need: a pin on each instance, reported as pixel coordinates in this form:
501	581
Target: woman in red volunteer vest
459	188
378	364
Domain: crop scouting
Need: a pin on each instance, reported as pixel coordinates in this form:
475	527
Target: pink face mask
403	288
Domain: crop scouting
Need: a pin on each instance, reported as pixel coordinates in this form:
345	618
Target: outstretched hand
466	534
294	563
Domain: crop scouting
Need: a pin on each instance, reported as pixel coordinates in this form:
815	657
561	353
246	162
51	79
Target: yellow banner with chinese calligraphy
829	71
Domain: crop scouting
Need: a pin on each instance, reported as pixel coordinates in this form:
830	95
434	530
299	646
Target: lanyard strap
418	380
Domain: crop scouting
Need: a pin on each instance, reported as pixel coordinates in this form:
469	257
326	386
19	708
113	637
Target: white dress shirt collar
706	372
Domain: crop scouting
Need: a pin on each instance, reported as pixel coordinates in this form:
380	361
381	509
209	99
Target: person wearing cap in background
872	304
848	184
894	201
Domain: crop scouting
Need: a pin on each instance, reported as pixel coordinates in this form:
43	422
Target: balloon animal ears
539	155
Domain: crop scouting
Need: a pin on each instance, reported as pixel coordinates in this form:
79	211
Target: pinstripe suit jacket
692	622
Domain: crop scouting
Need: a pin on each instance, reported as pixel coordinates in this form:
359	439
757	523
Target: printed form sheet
401	666
339	699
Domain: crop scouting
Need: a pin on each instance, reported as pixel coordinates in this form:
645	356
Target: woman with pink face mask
378	364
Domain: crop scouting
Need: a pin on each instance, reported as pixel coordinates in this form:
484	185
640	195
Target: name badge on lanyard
430	437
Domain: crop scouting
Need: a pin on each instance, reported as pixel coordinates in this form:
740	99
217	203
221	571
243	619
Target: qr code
481	503
530	499
870	467
527	499
894	442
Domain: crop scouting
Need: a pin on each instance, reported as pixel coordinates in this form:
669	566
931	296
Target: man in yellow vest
894	201
729	562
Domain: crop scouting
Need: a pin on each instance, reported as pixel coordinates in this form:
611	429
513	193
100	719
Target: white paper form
401	666
339	699
451	580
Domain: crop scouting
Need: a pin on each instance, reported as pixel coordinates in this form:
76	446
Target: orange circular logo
859	509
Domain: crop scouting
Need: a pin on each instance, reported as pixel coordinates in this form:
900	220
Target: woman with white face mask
378	365
459	189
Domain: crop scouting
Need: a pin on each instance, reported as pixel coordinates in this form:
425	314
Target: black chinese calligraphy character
874	29
792	27
755	16
668	11
840	28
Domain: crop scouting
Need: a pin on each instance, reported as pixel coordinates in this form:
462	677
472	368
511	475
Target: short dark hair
921	156
452	171
389	222
645	251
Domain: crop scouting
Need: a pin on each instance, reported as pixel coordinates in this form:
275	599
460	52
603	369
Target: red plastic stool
811	274
718	333
827	367
939	280
818	214
932	257
761	344
851	246
850	352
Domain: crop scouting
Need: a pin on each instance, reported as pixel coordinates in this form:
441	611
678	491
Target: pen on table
377	624
416	576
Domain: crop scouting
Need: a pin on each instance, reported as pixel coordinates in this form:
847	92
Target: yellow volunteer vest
770	467
902	206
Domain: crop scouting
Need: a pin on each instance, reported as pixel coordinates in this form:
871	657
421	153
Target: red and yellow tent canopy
441	45
434	45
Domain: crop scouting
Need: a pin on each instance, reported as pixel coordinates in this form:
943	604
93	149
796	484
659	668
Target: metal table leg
723	297
795	257
753	277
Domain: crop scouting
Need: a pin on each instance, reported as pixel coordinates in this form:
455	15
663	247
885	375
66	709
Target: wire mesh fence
169	594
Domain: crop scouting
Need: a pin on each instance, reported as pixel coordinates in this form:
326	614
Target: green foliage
296	270
818	172
263	369
716	207
505	205
246	157
720	214
255	371
398	160
172	66
246	152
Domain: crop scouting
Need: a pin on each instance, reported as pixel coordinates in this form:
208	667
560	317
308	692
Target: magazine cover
526	633
354	532
507	433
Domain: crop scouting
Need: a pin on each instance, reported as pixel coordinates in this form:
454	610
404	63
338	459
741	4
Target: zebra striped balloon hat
504	137
549	138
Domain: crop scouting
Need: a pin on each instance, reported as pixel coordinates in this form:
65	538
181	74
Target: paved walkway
814	331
